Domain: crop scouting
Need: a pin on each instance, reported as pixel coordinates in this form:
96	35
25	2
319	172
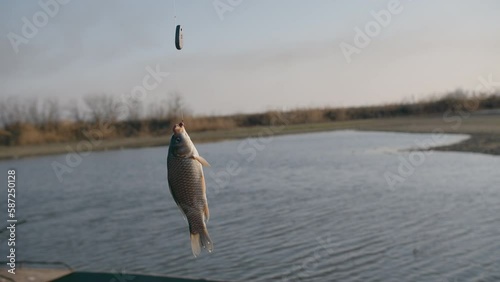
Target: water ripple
312	207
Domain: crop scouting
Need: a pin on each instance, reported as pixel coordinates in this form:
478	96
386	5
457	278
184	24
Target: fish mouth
178	128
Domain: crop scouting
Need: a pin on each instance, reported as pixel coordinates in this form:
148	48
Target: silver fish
187	185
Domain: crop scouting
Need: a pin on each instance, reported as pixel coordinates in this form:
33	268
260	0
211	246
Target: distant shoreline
484	131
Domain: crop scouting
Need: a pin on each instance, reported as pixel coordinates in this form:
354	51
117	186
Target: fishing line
178	45
178	30
175	14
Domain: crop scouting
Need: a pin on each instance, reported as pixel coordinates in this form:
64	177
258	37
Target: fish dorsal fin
201	160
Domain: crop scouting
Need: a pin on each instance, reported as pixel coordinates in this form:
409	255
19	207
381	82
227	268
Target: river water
334	206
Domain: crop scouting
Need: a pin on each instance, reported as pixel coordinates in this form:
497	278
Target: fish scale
188	173
187	186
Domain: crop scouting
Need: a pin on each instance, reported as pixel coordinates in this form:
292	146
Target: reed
36	121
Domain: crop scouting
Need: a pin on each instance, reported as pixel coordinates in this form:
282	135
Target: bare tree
45	114
11	118
101	107
134	110
50	114
158	110
31	112
11	112
176	106
75	111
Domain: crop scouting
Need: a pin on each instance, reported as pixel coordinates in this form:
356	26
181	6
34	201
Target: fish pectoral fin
201	160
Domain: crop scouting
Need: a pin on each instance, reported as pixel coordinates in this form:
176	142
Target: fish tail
201	240
195	244
206	242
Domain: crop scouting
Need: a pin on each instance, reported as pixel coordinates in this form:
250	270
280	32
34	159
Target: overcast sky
257	55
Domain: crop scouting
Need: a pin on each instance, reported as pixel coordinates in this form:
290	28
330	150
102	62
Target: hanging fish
187	186
178	37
